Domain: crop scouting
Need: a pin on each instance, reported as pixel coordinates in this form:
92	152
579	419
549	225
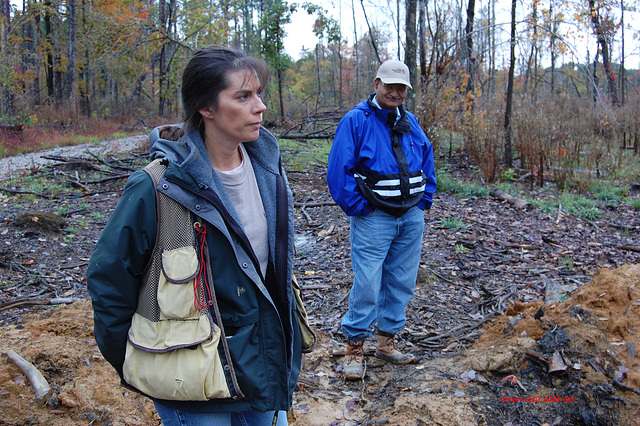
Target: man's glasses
401	88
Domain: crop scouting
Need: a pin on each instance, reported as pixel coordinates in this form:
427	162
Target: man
381	173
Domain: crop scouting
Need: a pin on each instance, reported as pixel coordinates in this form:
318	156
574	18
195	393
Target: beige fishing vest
172	349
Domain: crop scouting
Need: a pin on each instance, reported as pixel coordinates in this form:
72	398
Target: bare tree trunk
35	60
410	49
280	98
492	49
162	66
552	43
371	35
622	75
47	36
421	45
318	77
508	153
398	25
604	50
471	60
85	99
533	70
340	74
73	86
5	22
356	67
596	82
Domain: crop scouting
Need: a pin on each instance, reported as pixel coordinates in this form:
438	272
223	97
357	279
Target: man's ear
207	112
376	82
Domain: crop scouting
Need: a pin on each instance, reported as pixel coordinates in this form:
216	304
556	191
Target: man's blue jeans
385	254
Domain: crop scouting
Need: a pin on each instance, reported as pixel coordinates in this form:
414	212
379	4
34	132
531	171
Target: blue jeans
171	417
385	255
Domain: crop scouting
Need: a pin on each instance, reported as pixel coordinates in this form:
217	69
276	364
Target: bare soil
519	316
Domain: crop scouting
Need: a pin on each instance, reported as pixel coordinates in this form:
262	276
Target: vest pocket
190	370
176	292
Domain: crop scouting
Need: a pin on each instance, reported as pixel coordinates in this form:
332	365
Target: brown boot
353	366
388	352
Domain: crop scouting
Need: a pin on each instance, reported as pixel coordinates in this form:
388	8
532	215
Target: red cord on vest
203	297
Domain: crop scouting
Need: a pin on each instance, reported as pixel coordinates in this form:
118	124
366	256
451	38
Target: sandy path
11	166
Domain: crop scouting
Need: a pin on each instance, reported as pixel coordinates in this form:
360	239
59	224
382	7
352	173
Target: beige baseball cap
394	72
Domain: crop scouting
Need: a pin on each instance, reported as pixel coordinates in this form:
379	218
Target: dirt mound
504	376
60	344
576	361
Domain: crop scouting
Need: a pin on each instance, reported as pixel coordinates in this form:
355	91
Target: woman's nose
260	106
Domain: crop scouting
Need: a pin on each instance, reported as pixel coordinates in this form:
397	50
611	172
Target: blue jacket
258	313
380	161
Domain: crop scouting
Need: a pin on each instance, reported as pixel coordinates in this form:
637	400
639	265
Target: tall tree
48	40
621	74
275	15
508	151
531	72
411	38
72	79
421	40
469	55
5	22
552	43
604	29
372	37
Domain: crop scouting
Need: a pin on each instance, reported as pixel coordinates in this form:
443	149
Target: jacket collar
402	125
190	155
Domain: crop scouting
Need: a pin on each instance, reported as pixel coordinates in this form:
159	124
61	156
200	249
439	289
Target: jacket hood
190	155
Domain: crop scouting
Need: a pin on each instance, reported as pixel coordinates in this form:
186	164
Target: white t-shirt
242	187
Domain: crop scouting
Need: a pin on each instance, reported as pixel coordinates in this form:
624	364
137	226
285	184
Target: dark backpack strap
282	233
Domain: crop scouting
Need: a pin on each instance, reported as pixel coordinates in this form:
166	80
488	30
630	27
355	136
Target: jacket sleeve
428	168
117	265
341	169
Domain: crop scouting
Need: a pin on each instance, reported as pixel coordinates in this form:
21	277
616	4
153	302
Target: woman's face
238	114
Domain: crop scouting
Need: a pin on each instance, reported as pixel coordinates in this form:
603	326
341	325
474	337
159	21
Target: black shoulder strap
282	232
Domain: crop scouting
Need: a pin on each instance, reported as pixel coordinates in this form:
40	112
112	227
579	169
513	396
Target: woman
226	173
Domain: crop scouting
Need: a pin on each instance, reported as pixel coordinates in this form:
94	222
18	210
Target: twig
323	204
625	387
16	191
628	247
306	215
36	301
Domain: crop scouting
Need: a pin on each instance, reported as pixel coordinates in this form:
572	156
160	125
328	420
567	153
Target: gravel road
19	164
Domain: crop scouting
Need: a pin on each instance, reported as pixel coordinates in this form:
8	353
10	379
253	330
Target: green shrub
607	191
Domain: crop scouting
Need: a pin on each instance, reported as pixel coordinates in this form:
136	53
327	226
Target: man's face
389	96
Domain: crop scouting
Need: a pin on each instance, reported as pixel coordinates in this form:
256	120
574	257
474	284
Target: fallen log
12	127
517	202
38	382
306	136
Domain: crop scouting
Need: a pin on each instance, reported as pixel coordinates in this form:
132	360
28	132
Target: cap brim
386	80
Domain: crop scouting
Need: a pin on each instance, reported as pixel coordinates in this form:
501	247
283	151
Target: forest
529	102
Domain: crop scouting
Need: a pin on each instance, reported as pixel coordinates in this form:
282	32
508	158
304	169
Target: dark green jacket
257	312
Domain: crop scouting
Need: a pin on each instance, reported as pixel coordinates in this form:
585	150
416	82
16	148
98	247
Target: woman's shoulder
139	181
